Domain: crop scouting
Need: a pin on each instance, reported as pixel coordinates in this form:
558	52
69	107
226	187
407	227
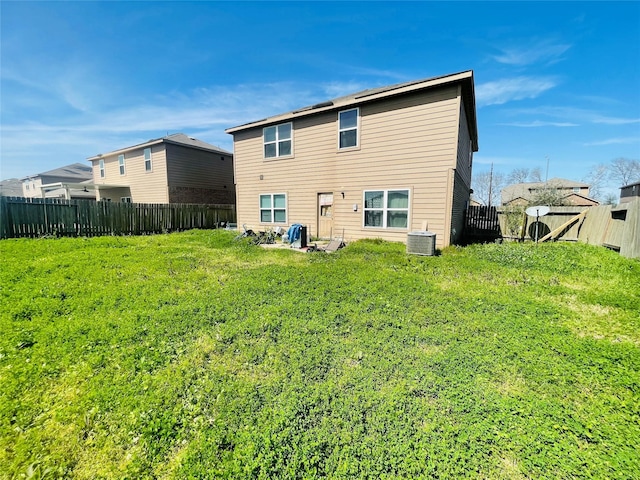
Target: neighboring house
375	164
70	181
12	187
171	169
629	192
570	192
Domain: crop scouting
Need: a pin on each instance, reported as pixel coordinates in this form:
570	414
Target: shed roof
464	79
175	138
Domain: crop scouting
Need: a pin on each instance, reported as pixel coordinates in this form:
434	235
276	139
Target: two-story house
69	181
374	164
568	192
172	169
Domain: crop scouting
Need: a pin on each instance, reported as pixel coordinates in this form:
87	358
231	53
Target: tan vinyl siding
145	187
199	176
404	143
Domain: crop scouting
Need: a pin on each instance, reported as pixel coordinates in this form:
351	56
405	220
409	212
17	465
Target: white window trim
273	217
125	199
385	209
121	165
150	161
277	142
101	167
356	128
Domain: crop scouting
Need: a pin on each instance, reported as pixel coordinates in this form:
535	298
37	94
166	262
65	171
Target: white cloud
538	123
572	114
65	85
614	141
518	88
339	89
541	51
204	113
595	118
374	72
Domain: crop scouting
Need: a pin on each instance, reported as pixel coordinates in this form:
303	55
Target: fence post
4	217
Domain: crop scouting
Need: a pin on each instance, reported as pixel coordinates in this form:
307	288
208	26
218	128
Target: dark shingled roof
175	138
75	171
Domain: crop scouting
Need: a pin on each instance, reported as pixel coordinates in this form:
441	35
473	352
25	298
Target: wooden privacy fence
35	217
615	227
481	224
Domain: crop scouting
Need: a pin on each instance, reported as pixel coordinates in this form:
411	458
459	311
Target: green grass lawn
192	356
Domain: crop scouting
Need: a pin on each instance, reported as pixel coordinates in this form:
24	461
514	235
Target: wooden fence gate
481	224
616	227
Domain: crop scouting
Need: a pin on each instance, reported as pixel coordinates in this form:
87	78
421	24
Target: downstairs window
273	208
386	208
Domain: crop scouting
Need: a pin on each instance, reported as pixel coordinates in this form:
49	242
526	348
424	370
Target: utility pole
490	183
546	177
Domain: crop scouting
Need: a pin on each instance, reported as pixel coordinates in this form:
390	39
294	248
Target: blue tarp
294	232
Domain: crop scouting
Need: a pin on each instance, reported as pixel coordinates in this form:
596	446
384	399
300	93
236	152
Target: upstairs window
386	208
348	128
121	164
277	140
273	208
101	167
147	160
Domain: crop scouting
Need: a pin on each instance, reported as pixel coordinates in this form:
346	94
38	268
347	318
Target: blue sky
557	81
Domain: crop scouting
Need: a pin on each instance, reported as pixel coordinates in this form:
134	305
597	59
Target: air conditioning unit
421	243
